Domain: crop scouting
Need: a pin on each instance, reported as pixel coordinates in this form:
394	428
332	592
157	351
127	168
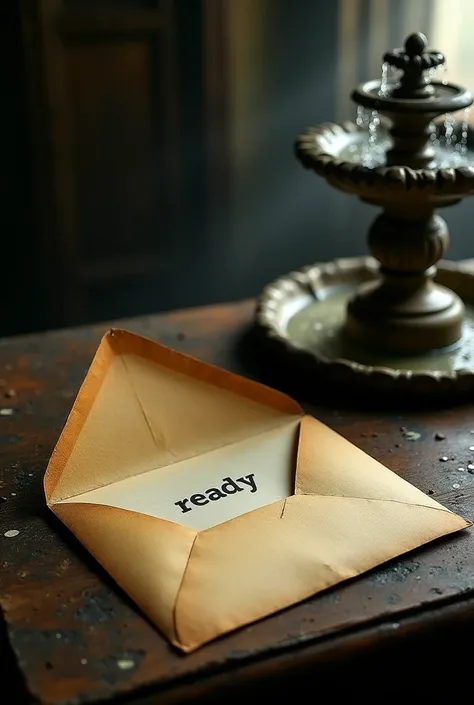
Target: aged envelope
214	501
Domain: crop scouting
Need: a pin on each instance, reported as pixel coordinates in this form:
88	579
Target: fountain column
406	311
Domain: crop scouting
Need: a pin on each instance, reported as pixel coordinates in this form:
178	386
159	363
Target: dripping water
450	143
374	124
384	80
390	76
363	118
443	68
435	138
462	146
449	135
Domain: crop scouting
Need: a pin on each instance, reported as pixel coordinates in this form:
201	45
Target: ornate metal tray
300	316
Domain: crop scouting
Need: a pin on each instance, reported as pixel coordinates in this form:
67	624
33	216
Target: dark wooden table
70	636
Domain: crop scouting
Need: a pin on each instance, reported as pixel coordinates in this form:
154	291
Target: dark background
147	149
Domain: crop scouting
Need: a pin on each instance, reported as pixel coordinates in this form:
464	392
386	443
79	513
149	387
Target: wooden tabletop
70	635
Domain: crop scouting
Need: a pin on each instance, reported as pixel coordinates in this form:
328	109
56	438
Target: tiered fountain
392	317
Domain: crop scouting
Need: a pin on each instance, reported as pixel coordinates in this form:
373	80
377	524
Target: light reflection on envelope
213	501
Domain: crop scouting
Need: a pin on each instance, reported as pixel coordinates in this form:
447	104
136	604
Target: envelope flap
145	406
328	464
105	436
146	556
262	562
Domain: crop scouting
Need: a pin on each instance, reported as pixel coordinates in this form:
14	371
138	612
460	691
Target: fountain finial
415	44
414	59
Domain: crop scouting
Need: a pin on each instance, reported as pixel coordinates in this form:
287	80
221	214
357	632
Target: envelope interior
163	443
211	488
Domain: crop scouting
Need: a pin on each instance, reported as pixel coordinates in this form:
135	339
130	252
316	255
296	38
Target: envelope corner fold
146	556
80	410
262	562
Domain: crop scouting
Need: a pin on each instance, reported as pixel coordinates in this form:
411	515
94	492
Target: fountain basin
333	151
301	318
444	98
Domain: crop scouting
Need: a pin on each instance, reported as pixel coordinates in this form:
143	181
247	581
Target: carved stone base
429	319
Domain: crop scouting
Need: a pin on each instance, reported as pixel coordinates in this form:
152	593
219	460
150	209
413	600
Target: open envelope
214	501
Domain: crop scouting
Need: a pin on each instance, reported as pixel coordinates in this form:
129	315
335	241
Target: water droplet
412	435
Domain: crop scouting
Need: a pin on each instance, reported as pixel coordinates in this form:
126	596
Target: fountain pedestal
406	312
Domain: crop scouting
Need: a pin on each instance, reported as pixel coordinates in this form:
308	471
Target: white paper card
211	488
